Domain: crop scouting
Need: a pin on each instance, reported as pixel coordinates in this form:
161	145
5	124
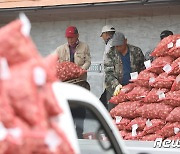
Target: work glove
117	90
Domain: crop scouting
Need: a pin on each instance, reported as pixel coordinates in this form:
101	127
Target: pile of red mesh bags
152	107
27	101
68	71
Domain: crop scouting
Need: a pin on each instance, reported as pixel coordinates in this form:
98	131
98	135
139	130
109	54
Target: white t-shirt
107	48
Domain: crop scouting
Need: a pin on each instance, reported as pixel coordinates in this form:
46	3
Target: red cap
71	31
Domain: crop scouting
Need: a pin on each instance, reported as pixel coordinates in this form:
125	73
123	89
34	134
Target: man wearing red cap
79	53
74	50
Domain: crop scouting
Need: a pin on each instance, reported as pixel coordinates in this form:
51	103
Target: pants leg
103	98
79	115
110	105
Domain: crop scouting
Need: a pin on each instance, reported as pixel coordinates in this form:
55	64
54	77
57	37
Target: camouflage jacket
113	66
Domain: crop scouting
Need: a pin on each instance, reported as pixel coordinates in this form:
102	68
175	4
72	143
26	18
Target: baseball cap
71	31
118	39
165	33
107	28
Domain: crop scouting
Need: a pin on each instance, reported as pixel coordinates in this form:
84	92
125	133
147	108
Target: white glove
117	90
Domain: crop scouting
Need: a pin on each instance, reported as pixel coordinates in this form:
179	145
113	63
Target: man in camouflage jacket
114	62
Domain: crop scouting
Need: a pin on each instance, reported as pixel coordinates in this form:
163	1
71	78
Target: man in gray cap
107	33
120	63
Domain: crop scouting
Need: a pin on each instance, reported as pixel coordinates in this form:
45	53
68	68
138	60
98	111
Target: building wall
140	31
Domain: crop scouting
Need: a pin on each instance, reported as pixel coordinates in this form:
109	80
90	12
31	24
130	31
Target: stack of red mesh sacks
149	107
27	102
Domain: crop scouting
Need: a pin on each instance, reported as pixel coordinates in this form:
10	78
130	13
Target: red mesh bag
141	122
151	137
15	46
174	116
124	133
176	137
68	71
113	112
15	137
14	147
50	64
90	136
127	135
123	123
7	115
164	46
175	67
163	81
175	51
16	143
24	95
176	84
121	97
154	95
158	64
128	109
156	125
144	77
3	147
51	104
38	141
154	111
136	137
138	93
34	141
172	98
168	129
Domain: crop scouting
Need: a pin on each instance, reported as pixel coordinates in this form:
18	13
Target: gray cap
118	39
